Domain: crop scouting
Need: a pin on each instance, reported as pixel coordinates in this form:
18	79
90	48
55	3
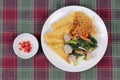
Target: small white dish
97	53
25	37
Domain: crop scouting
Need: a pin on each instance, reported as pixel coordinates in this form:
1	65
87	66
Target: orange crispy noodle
82	25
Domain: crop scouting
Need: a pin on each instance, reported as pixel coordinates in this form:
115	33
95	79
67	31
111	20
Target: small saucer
22	38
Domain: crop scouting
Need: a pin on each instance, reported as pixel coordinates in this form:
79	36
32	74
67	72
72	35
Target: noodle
82	25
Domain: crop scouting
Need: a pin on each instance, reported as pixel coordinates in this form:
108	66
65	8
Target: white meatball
67	37
68	49
72	58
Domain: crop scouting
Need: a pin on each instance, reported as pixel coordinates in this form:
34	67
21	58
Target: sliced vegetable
86	35
79	51
86	45
76	54
85	38
82	48
75	63
79	59
93	40
71	42
85	58
75	47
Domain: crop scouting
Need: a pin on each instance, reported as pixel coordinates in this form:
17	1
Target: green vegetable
75	63
93	40
76	54
79	59
87	45
82	44
71	42
85	58
82	48
75	47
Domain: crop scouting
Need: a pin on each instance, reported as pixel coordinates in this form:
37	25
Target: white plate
25	37
98	53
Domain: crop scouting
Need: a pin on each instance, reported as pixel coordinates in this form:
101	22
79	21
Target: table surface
19	16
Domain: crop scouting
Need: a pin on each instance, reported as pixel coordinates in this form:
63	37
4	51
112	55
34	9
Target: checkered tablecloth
21	16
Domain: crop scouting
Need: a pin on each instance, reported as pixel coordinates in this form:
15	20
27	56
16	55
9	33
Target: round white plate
25	37
83	65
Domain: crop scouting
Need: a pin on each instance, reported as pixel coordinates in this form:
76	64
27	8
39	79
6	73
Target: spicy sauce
25	46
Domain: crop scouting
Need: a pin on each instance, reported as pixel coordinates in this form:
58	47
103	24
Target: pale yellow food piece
64	21
61	30
56	36
58	48
56	42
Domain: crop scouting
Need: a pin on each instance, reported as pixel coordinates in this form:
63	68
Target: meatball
72	58
68	49
67	37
